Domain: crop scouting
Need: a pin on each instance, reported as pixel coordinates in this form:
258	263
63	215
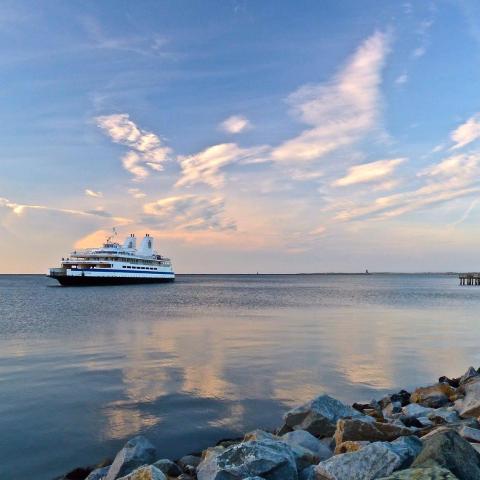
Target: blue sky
245	136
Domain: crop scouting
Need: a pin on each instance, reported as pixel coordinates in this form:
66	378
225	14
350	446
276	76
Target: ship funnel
146	247
130	242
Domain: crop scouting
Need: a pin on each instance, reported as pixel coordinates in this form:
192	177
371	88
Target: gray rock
307	473
357	429
470	405
447	415
254	478
447	449
391	409
436	400
272	460
307	449
169	468
98	473
137	451
319	416
468	375
407	448
259	435
189	461
147	472
470	434
425	421
432	473
415	410
304	439
373	461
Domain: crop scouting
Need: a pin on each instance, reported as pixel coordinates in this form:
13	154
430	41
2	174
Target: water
208	357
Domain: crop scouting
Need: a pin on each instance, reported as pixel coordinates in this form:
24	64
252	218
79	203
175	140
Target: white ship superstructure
114	264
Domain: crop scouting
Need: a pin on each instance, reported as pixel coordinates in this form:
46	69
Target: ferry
115	264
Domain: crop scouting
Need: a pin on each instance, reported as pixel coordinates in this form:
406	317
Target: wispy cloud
208	166
92	193
369	172
452	178
467	132
189	212
235	124
340	111
401	79
148	151
136	193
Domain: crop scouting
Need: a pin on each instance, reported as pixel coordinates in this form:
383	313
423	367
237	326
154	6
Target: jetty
469	279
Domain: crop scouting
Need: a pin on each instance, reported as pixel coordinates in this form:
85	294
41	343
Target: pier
470	279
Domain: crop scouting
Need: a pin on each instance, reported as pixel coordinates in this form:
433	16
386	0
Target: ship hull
90	281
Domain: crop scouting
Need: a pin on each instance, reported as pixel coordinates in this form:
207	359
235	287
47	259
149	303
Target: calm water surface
84	369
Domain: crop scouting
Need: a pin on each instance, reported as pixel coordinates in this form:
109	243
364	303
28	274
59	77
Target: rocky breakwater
431	433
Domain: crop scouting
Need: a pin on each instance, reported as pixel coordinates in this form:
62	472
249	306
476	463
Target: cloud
235	124
188	212
401	79
136	193
452	178
466	133
340	111
419	52
207	166
147	150
369	172
92	193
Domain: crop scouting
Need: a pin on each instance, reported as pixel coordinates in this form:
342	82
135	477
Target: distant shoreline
265	274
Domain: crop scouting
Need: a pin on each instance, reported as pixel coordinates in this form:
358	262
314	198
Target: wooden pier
470	279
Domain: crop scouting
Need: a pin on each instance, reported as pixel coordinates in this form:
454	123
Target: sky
244	136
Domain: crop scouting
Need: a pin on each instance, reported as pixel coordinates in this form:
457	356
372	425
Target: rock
443	415
259	435
137	451
189	462
470	434
411	422
306	440
373	461
147	472
98	473
476	446
307	473
468	375
402	396
449	450
169	468
254	478
79	473
356	429
435	396
453	382
470	405
425	421
407	448
392	408
416	410
273	460
319	416
351	446
432	473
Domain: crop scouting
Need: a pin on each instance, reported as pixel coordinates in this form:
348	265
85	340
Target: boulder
147	472
470	405
98	473
432	473
470	434
357	429
410	422
137	451
272	460
407	448
443	415
169	468
391	409
304	439
319	416
351	446
307	473
468	375
402	396
447	449
191	461
259	435
453	382
425	421
435	396
416	410
373	461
